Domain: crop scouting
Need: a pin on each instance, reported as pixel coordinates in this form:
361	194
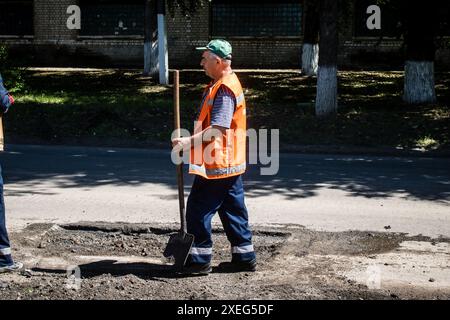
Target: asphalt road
322	192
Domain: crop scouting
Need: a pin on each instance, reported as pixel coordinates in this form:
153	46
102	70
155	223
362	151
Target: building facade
264	34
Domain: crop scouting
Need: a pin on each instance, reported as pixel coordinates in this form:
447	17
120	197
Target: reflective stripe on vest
240	99
219	171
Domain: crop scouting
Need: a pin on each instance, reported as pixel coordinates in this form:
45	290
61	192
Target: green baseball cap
220	47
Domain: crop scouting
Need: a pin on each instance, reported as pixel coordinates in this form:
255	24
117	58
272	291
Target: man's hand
11	99
179	144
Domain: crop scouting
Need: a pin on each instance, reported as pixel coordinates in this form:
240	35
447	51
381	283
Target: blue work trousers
5	248
225	196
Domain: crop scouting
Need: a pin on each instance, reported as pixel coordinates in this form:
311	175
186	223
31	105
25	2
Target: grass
427	143
122	107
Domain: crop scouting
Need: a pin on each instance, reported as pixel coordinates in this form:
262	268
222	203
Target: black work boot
237	266
200	269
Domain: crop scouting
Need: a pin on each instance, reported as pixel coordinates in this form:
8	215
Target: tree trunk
420	50
326	96
419	82
310	48
310	59
163	57
150	40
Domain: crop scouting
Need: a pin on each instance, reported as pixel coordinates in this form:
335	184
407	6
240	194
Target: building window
16	18
247	18
112	18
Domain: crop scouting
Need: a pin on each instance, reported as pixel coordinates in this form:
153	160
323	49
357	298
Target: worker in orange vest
218	159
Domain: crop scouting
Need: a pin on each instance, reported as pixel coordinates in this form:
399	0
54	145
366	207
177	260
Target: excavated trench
124	261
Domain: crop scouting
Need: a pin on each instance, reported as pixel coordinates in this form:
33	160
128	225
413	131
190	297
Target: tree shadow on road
44	170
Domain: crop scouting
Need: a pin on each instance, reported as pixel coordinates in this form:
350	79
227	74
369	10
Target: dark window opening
16	18
246	18
112	18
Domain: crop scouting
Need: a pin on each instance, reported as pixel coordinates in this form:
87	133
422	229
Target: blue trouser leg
234	216
5	248
205	199
202	204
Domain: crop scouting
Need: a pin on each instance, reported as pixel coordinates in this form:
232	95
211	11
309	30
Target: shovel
180	243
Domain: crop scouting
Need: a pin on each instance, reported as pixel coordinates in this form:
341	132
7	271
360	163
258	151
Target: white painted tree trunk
150	40
419	82
310	59
326	97
162	51
150	58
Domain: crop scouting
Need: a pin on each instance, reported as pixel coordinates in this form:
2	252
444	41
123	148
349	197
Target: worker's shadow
147	271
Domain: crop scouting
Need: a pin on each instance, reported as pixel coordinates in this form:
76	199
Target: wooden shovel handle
176	106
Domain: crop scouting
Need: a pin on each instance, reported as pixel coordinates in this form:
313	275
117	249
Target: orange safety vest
224	156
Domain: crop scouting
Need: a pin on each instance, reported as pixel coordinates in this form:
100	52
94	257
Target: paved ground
326	227
322	192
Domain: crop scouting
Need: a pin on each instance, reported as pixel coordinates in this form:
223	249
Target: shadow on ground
39	170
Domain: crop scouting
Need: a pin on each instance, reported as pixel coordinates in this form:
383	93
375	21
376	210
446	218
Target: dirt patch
124	261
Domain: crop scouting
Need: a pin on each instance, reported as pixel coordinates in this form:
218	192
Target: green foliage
12	76
427	143
3	56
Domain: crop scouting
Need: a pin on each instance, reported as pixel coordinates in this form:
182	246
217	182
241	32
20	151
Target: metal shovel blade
179	246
